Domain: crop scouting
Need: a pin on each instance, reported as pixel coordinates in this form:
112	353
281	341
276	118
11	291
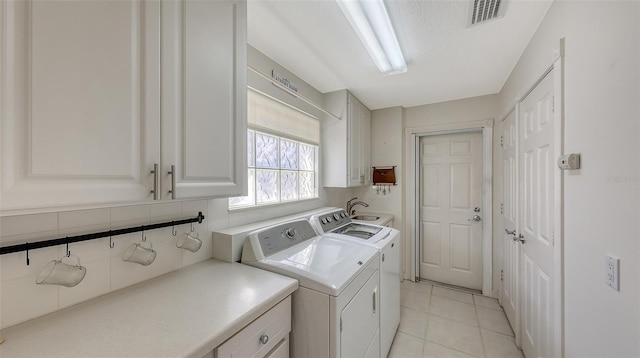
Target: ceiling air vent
483	11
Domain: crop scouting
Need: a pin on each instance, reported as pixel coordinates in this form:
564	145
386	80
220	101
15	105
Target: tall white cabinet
94	93
204	98
347	157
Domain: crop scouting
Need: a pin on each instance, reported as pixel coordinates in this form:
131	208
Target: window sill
283	204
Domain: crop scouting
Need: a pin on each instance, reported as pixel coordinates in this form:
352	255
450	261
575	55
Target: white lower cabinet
267	336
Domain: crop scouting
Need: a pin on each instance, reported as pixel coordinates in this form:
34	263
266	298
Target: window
282	154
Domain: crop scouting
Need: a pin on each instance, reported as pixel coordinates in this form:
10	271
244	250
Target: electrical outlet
612	270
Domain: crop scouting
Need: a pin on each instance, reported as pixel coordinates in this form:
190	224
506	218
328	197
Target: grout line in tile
452	348
426	330
475	309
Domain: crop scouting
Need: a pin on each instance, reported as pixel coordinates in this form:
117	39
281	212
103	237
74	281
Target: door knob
513	232
520	238
475	218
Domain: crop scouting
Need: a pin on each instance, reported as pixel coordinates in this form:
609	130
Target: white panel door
80	102
511	266
204	98
536	166
451	190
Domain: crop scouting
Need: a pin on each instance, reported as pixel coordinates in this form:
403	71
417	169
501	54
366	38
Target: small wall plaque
384	178
384	175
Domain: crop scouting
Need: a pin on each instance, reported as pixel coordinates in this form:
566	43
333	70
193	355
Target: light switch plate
612	271
569	162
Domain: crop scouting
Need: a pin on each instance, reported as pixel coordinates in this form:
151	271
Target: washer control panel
283	236
334	220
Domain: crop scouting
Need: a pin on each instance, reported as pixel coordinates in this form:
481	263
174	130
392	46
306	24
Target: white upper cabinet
82	118
80	101
204	98
346	142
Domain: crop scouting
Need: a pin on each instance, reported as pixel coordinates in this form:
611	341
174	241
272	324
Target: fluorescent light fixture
371	22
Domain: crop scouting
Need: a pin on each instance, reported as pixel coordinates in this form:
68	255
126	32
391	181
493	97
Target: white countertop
185	313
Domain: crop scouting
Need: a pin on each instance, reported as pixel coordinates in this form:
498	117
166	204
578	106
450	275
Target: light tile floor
438	322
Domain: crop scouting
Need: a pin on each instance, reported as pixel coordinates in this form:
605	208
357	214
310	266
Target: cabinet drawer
274	325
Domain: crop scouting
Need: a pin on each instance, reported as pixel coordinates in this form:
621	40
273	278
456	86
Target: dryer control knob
290	233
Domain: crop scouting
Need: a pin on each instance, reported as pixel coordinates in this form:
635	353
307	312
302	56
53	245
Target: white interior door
536	166
450	198
510	284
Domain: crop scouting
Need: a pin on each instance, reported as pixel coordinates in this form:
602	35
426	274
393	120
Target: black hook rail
98	235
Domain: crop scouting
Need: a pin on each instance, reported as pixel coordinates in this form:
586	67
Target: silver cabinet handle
264	339
475	218
173	182
155	191
510	232
374	300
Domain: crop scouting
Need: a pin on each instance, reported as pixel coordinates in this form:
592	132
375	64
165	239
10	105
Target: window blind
273	116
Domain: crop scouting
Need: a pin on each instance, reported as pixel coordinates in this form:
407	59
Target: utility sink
365	217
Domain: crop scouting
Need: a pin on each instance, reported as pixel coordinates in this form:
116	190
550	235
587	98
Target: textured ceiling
446	58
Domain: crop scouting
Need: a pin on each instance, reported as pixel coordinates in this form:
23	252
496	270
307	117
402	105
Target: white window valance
265	113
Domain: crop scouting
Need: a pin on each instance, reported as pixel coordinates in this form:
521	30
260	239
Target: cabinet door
204	101
80	99
354	141
361	320
365	145
359	166
264	337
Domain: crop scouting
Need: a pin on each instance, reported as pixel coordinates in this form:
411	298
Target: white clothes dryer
335	311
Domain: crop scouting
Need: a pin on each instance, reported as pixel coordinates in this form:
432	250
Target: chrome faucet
351	203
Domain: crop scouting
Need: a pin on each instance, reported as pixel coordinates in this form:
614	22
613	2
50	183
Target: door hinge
501	208
340	324
501	275
501	141
553	104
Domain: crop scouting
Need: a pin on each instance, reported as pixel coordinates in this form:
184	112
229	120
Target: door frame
411	207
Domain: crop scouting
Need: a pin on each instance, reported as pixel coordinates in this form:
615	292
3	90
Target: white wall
602	116
463	110
386	144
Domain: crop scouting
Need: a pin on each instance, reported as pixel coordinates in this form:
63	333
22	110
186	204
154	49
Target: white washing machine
336	223
335	311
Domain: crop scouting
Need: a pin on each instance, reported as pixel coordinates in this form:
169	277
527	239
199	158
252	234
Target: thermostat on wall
569	162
